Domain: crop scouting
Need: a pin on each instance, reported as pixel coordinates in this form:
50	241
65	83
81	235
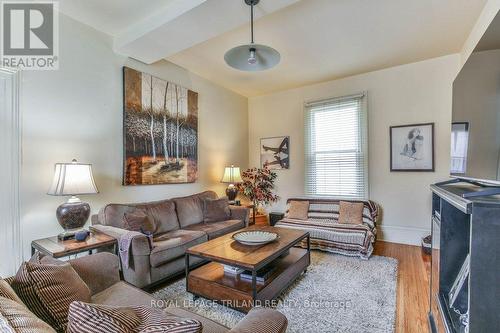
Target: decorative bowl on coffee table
255	237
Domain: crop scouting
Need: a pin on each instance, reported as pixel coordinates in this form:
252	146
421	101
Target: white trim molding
402	235
10	169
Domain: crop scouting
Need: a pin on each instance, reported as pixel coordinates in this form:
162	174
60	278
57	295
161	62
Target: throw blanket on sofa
125	243
329	235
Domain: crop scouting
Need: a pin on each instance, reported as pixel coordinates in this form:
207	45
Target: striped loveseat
329	235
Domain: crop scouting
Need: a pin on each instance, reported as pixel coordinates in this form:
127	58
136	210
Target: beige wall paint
76	112
487	15
415	93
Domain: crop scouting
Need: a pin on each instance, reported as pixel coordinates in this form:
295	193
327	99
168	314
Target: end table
275	217
56	248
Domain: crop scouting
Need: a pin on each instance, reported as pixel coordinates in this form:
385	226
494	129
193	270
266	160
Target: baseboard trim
402	235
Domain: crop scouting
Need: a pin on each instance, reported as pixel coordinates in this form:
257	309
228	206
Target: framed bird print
275	152
412	147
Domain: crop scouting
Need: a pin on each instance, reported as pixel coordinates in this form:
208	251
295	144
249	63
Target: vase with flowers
258	186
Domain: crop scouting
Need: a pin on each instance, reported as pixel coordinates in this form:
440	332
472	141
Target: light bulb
251	58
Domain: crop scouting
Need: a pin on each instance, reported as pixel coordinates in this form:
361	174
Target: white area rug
337	294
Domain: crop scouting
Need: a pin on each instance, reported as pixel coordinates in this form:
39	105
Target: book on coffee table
232	270
262	275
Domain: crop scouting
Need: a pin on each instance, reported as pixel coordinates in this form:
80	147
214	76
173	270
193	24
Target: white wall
414	93
487	15
76	112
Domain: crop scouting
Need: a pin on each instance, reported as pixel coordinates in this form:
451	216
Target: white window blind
337	148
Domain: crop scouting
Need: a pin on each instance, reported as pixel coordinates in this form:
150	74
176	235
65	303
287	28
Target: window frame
362	151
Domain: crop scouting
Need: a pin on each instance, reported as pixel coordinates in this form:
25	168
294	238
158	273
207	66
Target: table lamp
231	176
72	179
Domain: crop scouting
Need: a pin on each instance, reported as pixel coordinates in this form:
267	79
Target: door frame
10	220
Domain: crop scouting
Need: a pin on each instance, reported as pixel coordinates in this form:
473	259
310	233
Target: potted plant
258	186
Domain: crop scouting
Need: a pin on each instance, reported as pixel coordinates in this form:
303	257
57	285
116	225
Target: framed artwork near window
412	147
275	152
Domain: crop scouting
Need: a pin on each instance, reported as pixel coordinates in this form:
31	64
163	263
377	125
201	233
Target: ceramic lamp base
231	192
72	216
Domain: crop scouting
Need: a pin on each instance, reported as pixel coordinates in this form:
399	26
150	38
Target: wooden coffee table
210	281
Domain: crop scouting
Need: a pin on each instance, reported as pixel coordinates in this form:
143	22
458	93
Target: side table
56	248
255	218
275	217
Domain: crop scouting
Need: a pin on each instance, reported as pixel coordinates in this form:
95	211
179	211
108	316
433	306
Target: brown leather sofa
101	273
179	226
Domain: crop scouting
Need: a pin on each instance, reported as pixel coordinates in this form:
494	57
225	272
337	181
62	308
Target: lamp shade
232	175
252	57
72	179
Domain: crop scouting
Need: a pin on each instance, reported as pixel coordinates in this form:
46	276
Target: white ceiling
111	16
318	40
322	40
151	30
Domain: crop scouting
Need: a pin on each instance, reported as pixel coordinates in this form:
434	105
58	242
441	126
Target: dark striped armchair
329	235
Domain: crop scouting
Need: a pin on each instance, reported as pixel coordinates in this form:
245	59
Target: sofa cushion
217	229
162	212
298	210
351	212
112	214
16	318
139	221
121	294
174	244
6	291
91	318
156	320
215	210
190	209
24	288
209	326
47	287
164	215
57	286
206	195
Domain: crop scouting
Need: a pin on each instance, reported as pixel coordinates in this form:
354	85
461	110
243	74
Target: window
459	145
337	148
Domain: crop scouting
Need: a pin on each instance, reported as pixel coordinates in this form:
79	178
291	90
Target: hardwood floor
413	285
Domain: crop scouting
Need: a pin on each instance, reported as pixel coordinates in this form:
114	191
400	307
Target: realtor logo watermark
30	35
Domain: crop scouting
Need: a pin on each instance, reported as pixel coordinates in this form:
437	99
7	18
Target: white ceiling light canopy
252	57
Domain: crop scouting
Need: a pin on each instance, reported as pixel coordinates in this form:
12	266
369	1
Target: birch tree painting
160	131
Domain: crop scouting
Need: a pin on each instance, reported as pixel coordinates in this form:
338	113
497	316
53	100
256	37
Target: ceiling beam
185	23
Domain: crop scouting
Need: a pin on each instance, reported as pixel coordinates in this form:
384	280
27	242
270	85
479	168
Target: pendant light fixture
252	57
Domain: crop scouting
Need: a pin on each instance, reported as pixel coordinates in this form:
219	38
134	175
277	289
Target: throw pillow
23	286
49	289
85	317
298	210
16	318
6	291
139	221
216	210
351	212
